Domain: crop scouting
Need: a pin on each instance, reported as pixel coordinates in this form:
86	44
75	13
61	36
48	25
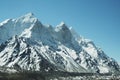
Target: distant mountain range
27	44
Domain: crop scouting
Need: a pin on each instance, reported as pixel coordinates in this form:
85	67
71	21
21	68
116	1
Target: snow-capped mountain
27	44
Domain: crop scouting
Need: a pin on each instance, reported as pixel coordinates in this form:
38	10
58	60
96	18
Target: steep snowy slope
11	27
27	44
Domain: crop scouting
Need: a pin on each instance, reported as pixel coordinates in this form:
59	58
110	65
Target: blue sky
98	20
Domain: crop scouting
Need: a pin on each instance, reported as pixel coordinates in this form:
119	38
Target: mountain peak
27	18
62	24
29	14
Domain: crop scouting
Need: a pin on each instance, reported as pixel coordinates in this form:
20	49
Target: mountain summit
27	44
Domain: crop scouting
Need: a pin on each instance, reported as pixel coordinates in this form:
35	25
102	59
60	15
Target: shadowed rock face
29	44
